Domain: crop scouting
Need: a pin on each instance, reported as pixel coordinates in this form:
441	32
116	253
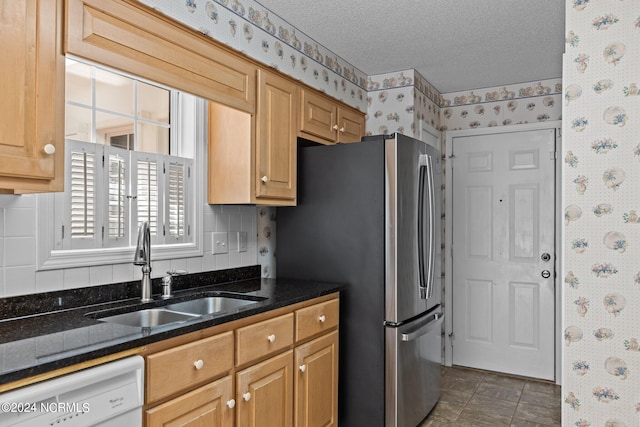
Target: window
129	158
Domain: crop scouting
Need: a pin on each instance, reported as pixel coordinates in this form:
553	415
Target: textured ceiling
455	44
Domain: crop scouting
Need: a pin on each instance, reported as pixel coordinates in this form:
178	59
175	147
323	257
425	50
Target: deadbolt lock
545	257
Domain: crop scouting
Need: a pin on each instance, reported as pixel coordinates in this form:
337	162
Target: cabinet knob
231	403
302	368
198	364
342	129
335	127
49	149
271	338
264	179
322	318
246	396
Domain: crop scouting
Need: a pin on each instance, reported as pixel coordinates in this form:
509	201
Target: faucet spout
142	257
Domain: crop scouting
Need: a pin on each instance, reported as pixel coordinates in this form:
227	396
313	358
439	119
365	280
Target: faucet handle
177	272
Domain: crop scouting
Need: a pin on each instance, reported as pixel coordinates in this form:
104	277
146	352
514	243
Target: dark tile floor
479	398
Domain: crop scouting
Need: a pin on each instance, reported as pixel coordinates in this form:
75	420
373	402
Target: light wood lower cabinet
275	369
265	393
208	406
316	382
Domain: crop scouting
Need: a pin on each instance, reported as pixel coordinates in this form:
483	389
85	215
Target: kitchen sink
211	305
148	318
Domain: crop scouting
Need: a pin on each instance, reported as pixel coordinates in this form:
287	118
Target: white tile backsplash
76	277
123	272
19	251
20	222
101	275
20	280
18	243
49	280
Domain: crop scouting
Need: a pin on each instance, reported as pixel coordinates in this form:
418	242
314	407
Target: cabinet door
32	101
276	137
207	406
316	382
264	393
351	126
132	37
319	116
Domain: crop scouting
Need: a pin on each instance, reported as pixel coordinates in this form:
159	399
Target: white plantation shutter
82	169
117	177
177	178
147	188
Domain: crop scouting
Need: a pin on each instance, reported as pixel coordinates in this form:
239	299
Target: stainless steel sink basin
211	305
148	318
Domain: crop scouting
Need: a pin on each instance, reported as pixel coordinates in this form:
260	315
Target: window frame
190	119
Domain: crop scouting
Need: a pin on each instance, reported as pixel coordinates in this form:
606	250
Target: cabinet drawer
263	338
318	318
172	370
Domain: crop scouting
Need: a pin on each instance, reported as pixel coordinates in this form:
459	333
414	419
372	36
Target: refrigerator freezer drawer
412	370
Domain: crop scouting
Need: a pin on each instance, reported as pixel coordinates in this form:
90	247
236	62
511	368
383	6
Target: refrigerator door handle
426	280
423	329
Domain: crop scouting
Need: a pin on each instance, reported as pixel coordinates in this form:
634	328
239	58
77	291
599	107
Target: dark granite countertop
40	333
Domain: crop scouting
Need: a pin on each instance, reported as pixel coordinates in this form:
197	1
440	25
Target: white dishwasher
109	395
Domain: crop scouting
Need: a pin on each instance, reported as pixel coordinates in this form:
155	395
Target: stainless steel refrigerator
368	216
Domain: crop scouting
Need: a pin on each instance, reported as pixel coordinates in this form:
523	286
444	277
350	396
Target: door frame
448	241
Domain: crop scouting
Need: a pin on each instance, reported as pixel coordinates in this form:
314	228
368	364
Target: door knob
545	274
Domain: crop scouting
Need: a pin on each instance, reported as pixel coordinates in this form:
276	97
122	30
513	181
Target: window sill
83	258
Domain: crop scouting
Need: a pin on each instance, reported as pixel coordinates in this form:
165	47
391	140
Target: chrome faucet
142	257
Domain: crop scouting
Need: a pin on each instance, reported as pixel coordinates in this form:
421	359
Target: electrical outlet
243	241
220	243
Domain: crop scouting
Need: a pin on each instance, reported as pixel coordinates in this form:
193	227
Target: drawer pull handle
198	364
231	403
303	368
246	396
271	338
322	318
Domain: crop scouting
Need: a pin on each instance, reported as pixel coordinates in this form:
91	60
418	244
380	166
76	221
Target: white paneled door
503	252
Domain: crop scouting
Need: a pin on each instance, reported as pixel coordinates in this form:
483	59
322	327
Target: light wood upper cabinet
32	101
276	137
326	121
132	37
252	158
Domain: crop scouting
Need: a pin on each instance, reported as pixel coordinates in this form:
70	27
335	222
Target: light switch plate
220	243
233	241
243	241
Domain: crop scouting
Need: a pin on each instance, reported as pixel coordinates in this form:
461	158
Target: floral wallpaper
601	233
396	102
250	28
267	240
504	105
